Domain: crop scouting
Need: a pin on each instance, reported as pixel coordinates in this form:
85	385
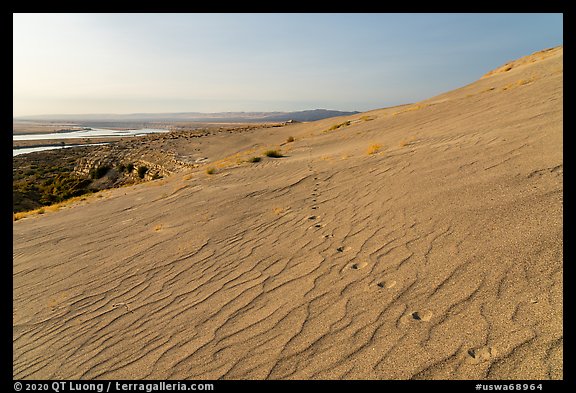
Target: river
84	133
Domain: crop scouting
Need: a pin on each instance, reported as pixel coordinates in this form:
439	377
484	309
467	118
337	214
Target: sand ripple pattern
426	261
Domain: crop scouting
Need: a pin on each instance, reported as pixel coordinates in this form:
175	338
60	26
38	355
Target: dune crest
534	57
416	242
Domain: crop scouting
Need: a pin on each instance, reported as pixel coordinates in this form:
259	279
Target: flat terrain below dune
417	242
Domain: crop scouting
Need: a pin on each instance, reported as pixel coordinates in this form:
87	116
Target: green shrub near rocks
99	172
142	171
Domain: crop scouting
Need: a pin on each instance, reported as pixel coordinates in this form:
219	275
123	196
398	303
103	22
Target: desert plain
423	241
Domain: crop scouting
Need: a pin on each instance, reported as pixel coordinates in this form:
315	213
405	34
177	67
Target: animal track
422	315
359	265
387	284
480	355
122	304
416	316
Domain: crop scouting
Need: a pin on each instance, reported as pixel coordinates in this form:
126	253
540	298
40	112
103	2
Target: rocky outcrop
127	158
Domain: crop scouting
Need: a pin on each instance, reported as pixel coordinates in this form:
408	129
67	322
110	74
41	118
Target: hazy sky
127	63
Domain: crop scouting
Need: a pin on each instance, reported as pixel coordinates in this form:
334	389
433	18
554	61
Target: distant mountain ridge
307	115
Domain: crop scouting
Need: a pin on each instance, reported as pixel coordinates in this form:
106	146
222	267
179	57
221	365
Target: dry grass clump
273	153
407	141
415	107
518	83
290	139
374	148
233	161
337	126
50	208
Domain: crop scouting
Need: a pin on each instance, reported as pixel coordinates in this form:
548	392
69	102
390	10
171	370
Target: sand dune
417	242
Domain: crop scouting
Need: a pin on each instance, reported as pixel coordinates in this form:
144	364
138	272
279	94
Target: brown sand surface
439	256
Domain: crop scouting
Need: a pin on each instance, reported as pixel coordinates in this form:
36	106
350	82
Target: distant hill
307	115
310	115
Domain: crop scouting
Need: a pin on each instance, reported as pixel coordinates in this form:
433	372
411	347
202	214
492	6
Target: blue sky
128	63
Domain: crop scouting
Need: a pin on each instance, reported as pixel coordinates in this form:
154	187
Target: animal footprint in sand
388	284
416	316
479	355
122	305
359	265
422	315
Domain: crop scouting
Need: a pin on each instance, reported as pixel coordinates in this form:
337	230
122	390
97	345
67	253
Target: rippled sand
438	256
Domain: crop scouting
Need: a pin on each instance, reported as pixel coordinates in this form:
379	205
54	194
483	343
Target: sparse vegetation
99	172
254	159
273	153
41	183
49	208
290	139
38	181
210	171
125	168
142	171
410	108
374	148
407	141
337	126
519	82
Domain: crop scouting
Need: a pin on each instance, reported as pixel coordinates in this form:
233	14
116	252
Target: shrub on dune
273	153
374	148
